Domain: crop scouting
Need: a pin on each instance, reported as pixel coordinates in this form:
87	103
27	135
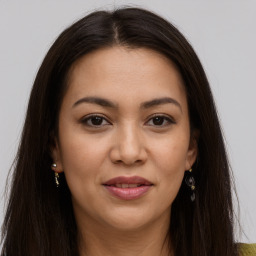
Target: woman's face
124	137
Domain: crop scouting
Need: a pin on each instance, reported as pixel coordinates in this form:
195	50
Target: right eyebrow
161	101
95	100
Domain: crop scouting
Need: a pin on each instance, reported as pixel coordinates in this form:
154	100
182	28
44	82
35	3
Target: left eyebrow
96	100
160	101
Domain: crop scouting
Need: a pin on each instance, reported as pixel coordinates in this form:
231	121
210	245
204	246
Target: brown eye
95	121
160	121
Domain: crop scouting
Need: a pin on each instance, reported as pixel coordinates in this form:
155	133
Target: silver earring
54	165
190	181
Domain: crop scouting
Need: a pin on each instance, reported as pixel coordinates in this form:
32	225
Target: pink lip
128	180
128	193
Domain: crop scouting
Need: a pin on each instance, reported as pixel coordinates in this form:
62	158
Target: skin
152	142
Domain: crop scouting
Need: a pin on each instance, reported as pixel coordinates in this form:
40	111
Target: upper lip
128	180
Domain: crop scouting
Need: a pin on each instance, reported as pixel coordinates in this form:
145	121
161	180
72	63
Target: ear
193	149
56	156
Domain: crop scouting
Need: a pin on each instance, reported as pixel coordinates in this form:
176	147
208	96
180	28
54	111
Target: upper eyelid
161	115
87	117
93	115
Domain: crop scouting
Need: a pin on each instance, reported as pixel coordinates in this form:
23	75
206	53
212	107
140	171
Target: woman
121	151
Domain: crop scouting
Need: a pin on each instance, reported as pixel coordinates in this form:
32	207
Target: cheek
170	153
83	156
78	165
80	151
170	159
81	164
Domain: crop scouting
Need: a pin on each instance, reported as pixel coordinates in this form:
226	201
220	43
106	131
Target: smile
128	188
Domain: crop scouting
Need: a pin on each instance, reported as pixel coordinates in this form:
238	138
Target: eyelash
168	120
90	117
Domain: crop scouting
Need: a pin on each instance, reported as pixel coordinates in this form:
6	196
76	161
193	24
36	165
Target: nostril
127	162
127	153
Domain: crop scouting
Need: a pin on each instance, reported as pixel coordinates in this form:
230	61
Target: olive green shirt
247	249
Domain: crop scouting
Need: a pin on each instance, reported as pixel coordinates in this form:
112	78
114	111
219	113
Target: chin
129	219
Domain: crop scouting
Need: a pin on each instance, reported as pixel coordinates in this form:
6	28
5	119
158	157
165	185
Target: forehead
124	73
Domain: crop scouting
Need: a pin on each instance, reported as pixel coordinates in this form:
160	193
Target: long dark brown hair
39	218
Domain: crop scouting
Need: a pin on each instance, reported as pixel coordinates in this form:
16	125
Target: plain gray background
223	34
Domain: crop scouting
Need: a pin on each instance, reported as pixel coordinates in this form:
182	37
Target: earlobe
57	164
193	149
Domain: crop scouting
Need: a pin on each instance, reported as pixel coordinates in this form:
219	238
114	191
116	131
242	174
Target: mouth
128	188
127	185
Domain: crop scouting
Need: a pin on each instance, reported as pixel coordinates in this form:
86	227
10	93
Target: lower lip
128	193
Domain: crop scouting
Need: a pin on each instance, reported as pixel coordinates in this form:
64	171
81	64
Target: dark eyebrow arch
145	105
96	100
160	101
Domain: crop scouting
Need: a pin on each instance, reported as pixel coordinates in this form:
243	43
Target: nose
128	147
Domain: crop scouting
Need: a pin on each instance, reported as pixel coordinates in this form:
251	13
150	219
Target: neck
144	241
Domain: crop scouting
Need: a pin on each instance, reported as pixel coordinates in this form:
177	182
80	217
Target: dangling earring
57	179
190	181
56	175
